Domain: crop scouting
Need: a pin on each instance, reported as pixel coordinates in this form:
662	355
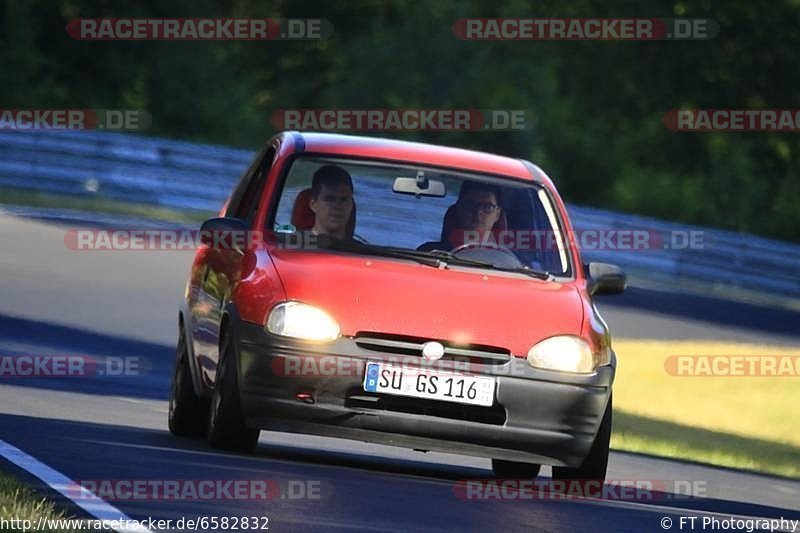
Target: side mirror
226	233
605	279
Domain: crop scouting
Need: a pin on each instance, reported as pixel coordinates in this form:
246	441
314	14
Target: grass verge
739	422
20	197
21	503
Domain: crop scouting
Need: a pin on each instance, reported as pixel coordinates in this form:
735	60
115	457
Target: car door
222	267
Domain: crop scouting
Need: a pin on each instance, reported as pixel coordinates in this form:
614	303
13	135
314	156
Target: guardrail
198	177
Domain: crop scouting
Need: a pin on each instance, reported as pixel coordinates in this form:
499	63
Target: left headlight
302	321
564	353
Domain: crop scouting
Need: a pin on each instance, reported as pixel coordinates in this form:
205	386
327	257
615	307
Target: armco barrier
192	176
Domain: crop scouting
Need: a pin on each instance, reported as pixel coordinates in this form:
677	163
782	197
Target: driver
331	201
477	210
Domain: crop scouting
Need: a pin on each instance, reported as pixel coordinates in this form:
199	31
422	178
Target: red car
398	293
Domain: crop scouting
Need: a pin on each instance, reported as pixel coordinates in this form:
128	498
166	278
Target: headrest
303	216
450	229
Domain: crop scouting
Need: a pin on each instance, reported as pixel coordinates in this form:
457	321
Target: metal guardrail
192	176
146	170
726	257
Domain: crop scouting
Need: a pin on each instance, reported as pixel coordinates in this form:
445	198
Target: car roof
412	152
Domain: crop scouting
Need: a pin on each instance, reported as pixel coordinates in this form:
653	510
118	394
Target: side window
298	179
245	199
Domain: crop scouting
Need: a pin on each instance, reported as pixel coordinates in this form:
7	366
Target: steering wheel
471	245
507	258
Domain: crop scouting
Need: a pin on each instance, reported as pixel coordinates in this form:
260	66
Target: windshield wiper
449	257
356	246
434	258
538	274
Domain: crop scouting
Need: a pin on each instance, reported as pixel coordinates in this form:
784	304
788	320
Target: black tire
187	412
514	470
226	428
596	463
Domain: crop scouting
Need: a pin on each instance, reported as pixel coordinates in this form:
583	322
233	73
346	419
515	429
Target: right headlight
302	321
565	353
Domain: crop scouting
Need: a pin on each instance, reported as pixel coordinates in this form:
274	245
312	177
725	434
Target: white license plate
433	385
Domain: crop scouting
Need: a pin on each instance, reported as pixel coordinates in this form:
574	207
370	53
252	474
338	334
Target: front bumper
538	416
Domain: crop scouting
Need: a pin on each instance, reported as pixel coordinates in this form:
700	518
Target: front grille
412	346
495	414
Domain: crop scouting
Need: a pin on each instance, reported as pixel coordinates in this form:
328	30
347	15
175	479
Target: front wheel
596	463
187	411
226	427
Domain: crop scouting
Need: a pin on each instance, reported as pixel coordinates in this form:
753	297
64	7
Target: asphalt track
112	304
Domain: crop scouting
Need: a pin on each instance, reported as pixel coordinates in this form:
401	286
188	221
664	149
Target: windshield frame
495	179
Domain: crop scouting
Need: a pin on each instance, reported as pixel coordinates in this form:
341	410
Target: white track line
57	481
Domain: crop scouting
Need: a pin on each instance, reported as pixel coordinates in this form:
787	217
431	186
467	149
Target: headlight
564	353
302	321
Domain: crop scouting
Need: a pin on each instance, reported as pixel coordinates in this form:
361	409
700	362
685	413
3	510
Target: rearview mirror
420	186
605	279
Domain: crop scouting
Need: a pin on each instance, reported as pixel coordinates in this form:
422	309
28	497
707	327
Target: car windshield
435	216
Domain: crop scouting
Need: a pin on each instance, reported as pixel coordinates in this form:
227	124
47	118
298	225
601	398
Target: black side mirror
226	233
605	279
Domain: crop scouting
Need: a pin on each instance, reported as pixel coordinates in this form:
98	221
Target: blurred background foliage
597	106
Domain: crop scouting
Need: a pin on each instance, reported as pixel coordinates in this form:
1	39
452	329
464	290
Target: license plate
433	385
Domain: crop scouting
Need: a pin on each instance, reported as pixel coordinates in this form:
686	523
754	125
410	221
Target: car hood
461	305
